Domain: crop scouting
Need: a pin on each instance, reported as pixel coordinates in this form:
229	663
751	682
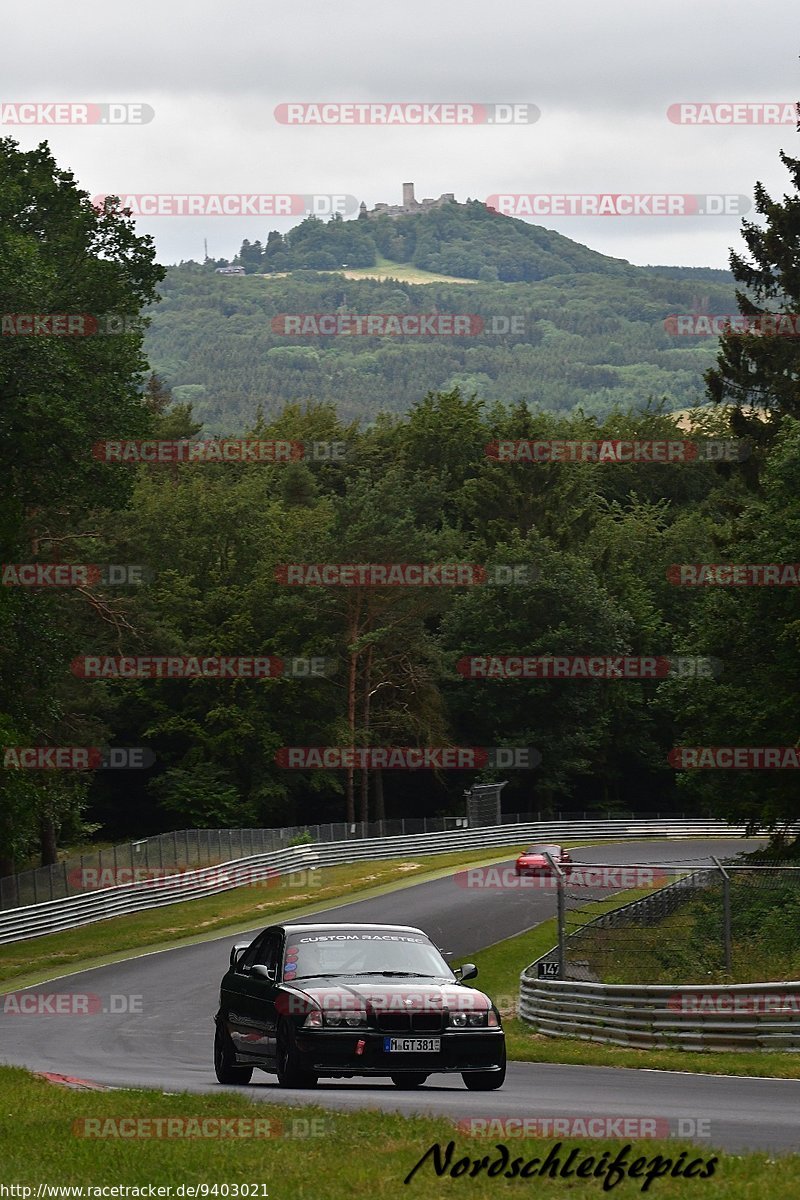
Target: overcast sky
602	74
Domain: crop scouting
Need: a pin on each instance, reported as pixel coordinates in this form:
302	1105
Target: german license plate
413	1045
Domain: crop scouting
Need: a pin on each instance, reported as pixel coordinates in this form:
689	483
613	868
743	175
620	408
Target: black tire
485	1081
290	1073
225	1066
406	1082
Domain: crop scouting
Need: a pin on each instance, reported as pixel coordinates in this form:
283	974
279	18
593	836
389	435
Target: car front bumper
336	1052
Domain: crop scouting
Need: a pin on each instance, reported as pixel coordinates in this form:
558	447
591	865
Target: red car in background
534	861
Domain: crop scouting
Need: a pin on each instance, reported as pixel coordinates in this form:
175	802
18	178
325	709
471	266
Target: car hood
394	995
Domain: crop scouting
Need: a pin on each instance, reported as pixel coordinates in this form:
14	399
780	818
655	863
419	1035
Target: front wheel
290	1073
406	1082
485	1081
225	1066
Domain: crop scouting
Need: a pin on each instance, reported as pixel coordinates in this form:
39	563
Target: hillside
588	333
469	241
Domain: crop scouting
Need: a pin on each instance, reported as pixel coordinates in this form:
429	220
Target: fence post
726	914
561	916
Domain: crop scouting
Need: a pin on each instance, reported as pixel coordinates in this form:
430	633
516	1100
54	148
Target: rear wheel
290	1073
406	1082
225	1066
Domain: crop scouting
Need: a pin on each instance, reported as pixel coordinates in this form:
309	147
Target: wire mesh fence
689	922
184	849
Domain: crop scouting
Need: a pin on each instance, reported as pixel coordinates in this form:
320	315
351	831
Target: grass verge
688	945
312	1153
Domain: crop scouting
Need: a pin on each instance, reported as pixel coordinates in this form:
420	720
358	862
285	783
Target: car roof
290	925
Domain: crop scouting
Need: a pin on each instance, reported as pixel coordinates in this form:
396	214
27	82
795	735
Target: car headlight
346	1019
466	1020
314	1019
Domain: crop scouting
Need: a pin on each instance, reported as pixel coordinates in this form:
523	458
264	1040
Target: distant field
685	418
386	269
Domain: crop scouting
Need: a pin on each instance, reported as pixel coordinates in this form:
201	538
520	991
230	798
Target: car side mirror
468	971
259	971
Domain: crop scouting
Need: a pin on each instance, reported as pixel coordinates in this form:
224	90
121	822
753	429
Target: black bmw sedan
338	1001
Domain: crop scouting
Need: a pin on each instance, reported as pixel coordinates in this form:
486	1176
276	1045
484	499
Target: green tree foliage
753	371
590	341
58	396
418	483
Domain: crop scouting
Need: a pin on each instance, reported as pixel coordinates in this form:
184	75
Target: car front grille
409	1022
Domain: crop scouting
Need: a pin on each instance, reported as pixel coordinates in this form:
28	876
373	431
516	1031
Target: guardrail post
562	934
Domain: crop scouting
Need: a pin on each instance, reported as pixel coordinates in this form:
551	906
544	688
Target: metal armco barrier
35	920
747	1016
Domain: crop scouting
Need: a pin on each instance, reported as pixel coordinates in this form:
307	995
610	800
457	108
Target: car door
251	997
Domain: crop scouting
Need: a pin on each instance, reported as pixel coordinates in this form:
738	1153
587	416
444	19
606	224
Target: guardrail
747	1016
185	848
52	916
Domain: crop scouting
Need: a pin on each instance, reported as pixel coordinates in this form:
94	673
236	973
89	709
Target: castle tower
408	195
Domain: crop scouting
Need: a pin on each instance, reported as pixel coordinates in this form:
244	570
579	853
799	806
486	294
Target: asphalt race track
166	1042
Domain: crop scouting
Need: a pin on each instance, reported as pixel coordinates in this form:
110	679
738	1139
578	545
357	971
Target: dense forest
412	487
593	340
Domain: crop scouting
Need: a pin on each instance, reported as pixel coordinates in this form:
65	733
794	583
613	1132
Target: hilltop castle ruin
409	205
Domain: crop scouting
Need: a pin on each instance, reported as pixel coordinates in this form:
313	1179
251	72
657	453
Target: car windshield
361	952
554	850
